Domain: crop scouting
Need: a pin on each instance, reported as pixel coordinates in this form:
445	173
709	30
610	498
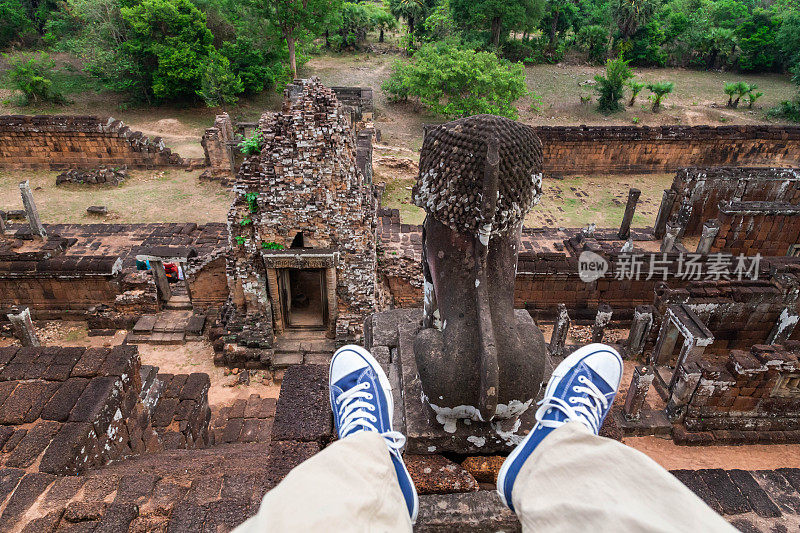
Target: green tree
13	21
594	40
32	74
630	15
635	87
168	45
414	12
355	20
646	45
458	82
440	24
296	18
557	19
611	87
497	16
383	20
219	85
660	90
788	41
757	39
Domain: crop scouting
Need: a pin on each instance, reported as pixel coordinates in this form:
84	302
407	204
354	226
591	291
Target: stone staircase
170	326
295	347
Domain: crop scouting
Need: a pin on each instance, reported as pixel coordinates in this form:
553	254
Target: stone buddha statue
477	358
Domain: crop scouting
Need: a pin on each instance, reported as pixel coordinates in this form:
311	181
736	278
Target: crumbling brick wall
215	145
739	314
57	142
61	286
208	283
67	410
768	228
698	192
182	414
630	149
748	391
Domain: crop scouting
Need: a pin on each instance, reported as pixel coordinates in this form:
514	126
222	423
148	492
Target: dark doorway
303	295
298	241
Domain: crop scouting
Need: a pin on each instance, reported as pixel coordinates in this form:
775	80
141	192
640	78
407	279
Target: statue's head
479	177
456	175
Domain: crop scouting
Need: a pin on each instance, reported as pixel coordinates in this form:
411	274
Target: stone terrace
129	240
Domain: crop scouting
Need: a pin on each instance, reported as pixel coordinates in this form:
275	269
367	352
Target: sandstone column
601	321
160	277
664	212
640	329
560	330
670	238
23	327
630	209
637	393
30	209
710	230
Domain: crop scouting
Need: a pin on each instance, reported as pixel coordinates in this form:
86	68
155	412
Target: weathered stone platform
390	337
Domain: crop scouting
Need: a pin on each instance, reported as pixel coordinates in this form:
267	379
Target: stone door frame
301	259
680	322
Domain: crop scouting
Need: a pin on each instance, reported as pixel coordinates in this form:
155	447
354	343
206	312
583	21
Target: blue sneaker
581	389
361	400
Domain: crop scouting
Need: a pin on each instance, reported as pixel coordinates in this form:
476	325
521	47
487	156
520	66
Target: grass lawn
146	196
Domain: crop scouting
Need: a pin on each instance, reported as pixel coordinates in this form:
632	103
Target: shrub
659	90
456	82
258	70
752	95
219	86
251	145
532	51
635	87
594	40
32	75
737	89
789	110
611	87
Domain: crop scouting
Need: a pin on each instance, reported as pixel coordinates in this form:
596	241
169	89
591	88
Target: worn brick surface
302	412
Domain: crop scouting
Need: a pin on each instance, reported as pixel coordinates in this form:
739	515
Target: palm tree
737	89
636	87
630	15
659	90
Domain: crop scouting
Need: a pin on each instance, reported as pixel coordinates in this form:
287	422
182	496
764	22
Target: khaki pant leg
576	481
349	486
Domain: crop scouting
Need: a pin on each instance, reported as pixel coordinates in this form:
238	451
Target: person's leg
575	479
563	477
358	483
349	486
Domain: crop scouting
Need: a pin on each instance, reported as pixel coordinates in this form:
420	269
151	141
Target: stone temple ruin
702	301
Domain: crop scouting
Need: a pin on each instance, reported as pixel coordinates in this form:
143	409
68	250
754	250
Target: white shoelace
586	410
353	411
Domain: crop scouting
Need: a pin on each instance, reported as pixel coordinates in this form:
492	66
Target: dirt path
179	359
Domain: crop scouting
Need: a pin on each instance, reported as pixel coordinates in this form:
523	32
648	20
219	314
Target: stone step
145	324
318	358
166	338
195	325
178	302
286	359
